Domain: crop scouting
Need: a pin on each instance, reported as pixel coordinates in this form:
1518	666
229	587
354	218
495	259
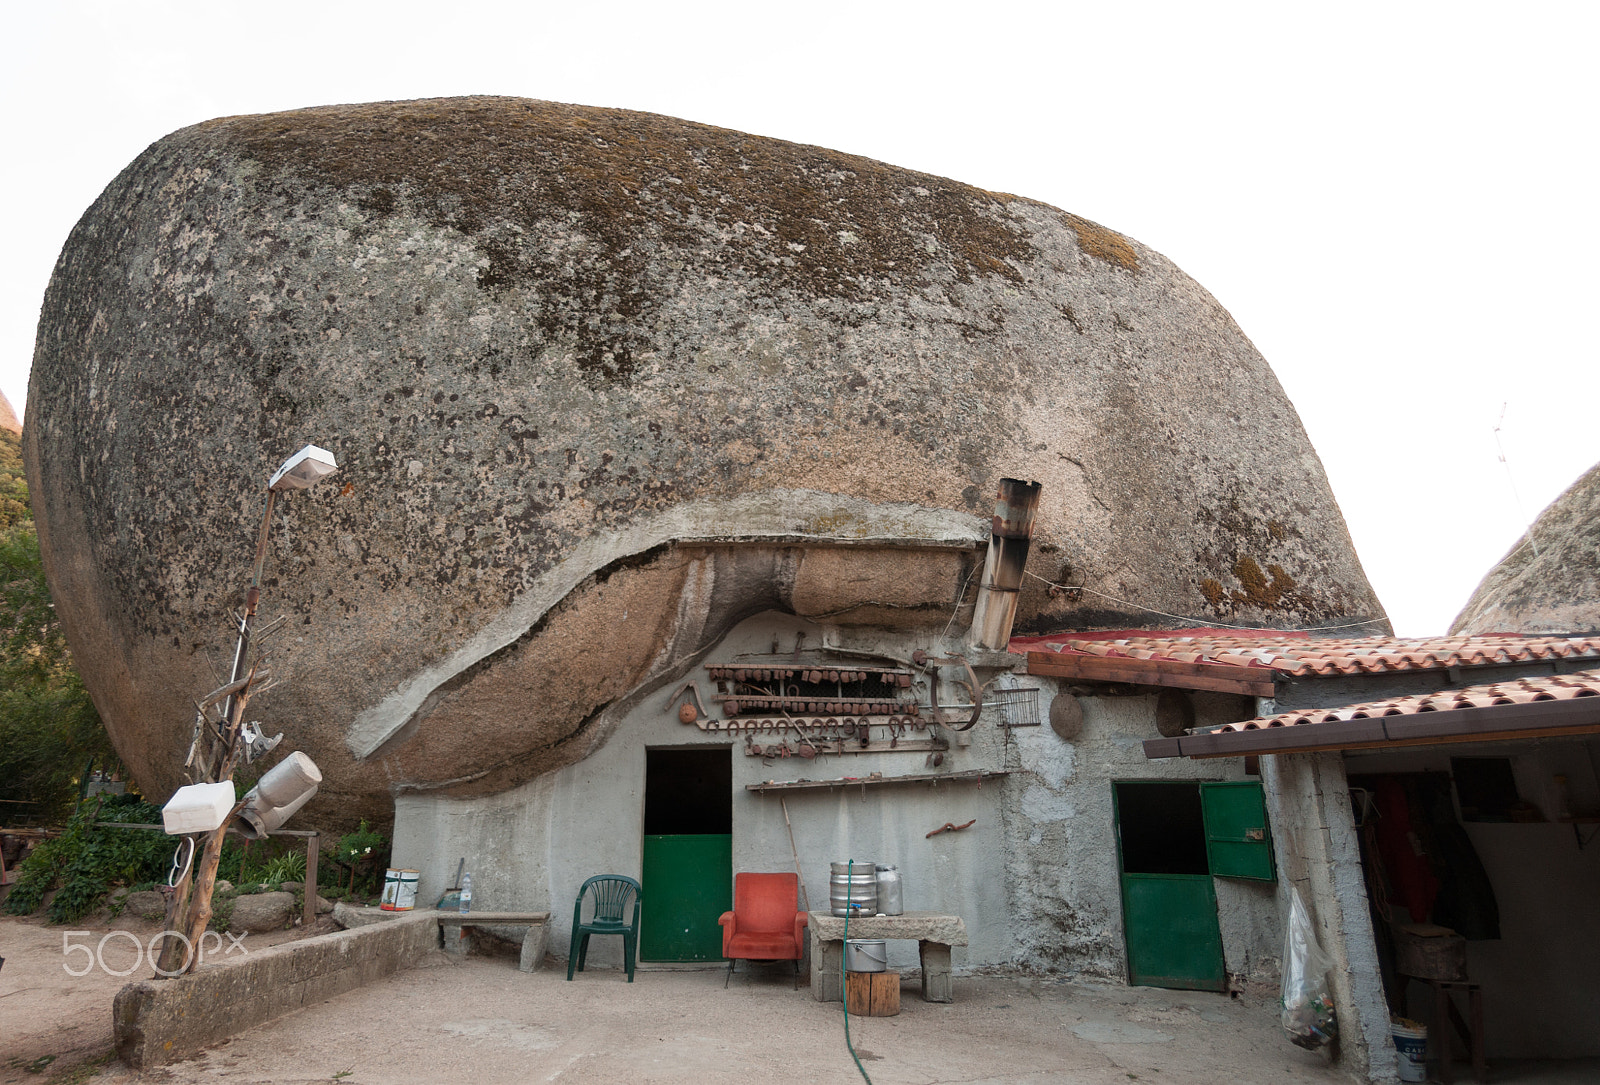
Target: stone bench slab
534	939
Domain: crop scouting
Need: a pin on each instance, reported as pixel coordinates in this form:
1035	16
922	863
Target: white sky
1396	201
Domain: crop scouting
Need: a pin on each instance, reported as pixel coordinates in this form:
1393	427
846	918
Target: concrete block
936	986
533	947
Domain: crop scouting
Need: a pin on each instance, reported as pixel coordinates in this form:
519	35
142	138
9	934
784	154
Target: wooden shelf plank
965	776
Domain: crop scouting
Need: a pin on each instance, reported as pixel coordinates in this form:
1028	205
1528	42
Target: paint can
1411	1044
866	955
853	888
399	890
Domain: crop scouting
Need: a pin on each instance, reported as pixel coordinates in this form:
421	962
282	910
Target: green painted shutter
1238	844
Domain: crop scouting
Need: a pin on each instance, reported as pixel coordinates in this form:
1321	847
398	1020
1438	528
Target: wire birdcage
1018	707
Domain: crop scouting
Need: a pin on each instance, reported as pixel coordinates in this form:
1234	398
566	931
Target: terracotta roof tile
1304	656
1561	687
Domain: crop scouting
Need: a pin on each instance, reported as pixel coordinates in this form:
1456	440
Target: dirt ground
51	1022
482	1021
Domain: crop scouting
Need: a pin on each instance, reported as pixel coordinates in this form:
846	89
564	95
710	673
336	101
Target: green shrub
287	867
88	861
222	910
362	853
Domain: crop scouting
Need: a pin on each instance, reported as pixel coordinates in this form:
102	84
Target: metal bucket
866	955
399	890
860	889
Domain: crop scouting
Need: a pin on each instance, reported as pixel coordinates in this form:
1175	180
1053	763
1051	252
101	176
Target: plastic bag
1307	1000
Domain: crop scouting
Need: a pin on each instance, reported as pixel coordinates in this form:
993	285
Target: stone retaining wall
158	1021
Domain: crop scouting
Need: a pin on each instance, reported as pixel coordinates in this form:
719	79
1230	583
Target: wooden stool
872	994
1445	1014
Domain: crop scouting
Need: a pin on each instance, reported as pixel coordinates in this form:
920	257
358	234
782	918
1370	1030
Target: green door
1173	936
687	865
1169	904
686	887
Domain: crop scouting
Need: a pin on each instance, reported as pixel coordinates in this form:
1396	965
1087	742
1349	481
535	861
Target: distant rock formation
1550	581
602	384
8	416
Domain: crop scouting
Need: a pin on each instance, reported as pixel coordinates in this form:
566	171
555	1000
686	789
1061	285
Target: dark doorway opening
688	792
1163	828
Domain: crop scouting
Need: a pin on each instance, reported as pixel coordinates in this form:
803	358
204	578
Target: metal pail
860	888
866	955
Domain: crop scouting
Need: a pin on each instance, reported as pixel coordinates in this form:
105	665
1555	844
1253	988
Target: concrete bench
934	933
533	941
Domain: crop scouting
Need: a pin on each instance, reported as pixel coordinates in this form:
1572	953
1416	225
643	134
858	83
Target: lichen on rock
601	384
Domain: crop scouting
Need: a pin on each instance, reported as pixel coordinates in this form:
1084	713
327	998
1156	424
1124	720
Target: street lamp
192	897
301	471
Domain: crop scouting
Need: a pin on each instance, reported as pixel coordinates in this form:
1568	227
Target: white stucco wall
1035	878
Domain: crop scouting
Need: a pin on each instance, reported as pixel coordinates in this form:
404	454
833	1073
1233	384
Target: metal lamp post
299	472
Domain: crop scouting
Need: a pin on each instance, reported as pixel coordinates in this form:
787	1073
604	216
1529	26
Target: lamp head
304	469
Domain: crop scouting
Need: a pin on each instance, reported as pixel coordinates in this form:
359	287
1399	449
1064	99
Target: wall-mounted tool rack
846	726
838	701
812	743
933	779
812	688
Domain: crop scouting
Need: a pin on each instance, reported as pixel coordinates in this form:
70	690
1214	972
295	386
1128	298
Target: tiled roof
1552	705
1301	655
1559	687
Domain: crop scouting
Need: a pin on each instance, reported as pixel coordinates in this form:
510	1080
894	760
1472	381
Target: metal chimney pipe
1009	540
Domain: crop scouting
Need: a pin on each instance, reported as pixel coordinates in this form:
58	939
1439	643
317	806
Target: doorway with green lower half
687	869
1173	836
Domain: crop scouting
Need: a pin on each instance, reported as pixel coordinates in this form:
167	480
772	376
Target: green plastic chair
612	893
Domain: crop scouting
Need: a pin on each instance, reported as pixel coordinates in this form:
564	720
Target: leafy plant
359	850
222	910
88	860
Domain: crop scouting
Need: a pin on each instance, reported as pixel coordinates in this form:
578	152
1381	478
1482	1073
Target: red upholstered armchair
765	924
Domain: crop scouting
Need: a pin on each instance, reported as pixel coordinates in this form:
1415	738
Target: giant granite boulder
1549	582
601	384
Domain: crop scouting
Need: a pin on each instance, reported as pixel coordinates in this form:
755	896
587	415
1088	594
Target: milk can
889	900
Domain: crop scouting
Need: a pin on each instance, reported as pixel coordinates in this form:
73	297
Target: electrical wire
1205	621
844	994
960	599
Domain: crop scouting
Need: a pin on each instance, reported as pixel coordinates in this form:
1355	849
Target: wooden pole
308	915
206	877
172	958
805	898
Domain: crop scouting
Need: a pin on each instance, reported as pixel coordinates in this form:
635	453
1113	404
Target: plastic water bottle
466	892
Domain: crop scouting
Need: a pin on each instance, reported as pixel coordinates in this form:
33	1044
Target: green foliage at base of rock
87	861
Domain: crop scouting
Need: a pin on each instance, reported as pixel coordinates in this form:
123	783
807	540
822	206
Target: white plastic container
1411	1044
198	808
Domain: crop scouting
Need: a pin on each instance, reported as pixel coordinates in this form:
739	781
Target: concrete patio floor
482	1021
